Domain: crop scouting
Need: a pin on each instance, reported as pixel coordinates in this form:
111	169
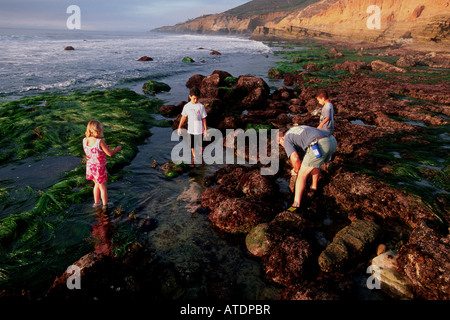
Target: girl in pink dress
96	150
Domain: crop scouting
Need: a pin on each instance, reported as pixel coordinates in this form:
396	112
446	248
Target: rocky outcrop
400	21
224	23
241	199
404	21
425	260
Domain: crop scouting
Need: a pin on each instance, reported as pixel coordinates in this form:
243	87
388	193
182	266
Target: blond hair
94	129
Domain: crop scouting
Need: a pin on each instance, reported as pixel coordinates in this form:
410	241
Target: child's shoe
96	205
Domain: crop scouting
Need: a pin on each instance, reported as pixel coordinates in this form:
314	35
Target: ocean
34	61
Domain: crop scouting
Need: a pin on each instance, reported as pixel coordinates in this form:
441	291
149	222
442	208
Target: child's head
322	96
94	129
194	94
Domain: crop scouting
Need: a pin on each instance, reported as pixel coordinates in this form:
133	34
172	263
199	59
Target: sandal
293	209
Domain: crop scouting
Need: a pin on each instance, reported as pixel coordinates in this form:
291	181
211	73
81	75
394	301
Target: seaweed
57	127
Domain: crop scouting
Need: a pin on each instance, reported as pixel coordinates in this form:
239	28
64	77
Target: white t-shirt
195	114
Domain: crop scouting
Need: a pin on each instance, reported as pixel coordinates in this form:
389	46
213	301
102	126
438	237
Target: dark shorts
195	140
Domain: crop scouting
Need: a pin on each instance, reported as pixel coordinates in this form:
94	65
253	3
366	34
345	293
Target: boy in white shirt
195	112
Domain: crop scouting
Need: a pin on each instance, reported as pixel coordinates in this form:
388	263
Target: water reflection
102	233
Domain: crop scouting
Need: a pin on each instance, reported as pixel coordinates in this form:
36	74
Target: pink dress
95	162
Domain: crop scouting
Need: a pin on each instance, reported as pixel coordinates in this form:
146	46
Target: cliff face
225	23
390	21
399	20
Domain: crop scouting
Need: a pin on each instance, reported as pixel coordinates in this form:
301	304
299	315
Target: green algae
41	236
152	87
188	60
417	162
57	127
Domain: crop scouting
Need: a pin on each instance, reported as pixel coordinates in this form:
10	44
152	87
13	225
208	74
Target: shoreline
335	191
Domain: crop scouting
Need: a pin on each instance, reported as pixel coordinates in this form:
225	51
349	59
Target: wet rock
69	48
230	122
288	261
215	53
311	67
384	271
255	185
188	60
405	62
292	79
274	74
152	87
145	58
325	287
209	88
348	244
171	110
363	196
222	76
258	241
172	170
195	81
147	224
351	66
425	260
381	66
283	93
239	215
248	84
297	109
215	109
104	277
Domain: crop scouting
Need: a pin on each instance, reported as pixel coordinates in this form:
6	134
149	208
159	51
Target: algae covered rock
288	261
239	215
152	87
258	241
172	170
188	60
348	244
425	260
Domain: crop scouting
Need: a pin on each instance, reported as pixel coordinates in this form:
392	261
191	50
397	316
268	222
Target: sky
107	15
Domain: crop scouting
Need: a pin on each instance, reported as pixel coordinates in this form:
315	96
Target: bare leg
193	156
104	193
315	177
96	193
300	184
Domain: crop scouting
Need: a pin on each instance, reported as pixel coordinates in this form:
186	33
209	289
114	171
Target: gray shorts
327	147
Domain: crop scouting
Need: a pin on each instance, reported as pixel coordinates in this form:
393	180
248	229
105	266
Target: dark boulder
195	81
145	58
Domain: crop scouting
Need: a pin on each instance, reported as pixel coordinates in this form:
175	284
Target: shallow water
182	237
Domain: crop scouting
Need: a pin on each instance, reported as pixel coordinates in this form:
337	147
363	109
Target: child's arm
183	118
323	122
107	150
205	127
